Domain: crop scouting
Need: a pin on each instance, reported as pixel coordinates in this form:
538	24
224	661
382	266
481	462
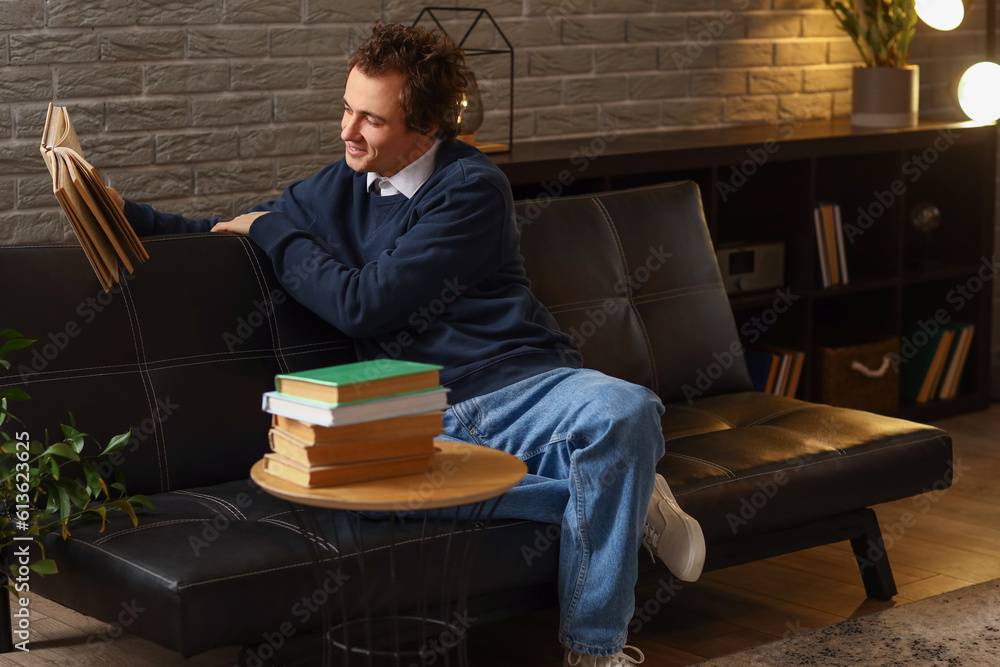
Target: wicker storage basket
862	375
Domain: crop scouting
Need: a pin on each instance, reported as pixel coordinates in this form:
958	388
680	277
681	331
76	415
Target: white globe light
979	92
941	14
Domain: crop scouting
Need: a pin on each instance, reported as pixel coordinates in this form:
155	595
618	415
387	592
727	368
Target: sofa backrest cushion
179	353
633	277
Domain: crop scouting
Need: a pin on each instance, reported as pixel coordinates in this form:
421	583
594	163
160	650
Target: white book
824	269
330	414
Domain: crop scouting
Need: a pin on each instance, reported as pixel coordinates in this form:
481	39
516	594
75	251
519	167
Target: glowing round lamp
979	92
941	14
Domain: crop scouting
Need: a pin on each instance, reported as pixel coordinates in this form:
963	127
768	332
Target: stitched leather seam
804	435
699	460
701	411
309	535
580	305
139	370
144	526
666	295
154	366
661	296
781	414
310	562
161	447
803	465
225	503
136	566
631	299
266	295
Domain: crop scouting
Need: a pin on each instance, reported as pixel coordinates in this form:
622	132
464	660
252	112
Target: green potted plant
46	486
886	88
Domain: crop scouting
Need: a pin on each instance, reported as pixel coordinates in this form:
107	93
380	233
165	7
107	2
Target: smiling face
374	125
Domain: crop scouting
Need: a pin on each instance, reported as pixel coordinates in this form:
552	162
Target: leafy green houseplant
47	486
886	89
881	29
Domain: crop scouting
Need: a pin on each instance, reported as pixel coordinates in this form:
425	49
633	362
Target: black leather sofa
182	351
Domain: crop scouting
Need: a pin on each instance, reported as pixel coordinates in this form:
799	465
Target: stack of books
775	370
354	422
935	369
832	260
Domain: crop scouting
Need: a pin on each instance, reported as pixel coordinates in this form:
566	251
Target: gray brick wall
205	107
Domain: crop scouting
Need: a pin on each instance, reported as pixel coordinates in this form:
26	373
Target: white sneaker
673	535
574	659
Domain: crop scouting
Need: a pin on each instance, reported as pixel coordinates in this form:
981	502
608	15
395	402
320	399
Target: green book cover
918	349
359	372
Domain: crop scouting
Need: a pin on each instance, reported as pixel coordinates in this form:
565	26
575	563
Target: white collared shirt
408	179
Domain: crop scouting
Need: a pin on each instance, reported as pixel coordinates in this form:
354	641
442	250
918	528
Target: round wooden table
469	478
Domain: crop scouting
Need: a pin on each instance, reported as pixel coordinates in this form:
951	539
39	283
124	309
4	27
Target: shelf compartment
865	188
952	181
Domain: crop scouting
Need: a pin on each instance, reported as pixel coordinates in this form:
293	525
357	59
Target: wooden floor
936	543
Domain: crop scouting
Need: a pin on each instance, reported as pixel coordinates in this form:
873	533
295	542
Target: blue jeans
591	443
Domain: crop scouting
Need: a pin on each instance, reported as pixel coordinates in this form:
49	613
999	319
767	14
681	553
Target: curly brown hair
434	68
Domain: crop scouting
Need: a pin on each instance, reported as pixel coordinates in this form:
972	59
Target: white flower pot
885	97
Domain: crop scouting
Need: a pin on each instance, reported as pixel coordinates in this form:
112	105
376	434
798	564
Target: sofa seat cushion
184	570
748	463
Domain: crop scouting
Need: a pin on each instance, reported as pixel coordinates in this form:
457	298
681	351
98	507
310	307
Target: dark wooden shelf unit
760	183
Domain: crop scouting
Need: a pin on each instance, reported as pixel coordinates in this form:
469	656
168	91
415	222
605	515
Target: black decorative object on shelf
473	111
926	217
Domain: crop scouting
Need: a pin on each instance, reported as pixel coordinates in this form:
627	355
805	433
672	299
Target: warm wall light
979	92
941	14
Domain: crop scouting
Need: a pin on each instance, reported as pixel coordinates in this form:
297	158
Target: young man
411	216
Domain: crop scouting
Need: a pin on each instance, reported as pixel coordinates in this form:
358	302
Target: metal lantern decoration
476	112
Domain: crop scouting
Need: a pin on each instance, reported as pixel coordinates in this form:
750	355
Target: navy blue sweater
438	278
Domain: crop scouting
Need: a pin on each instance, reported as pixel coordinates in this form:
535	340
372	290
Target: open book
102	229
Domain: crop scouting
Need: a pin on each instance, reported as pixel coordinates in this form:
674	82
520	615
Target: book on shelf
337	414
841	253
955	365
921	374
823	265
422	423
103	232
830	249
830	241
308	454
345	473
763	369
359	381
775	370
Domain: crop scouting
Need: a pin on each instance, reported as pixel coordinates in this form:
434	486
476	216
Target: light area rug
960	628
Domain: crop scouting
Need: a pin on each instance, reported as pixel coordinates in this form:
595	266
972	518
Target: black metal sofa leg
873	561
